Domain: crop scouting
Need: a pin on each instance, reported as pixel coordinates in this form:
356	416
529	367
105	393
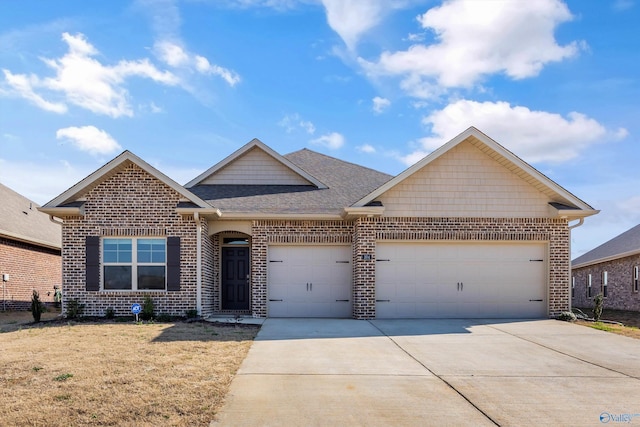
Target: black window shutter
92	263
173	263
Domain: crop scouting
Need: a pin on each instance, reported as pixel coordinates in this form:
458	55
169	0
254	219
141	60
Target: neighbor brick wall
620	284
29	267
130	203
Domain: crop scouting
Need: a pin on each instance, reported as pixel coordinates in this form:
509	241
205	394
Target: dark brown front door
235	283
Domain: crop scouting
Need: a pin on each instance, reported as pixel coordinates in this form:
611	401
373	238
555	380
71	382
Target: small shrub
164	317
74	309
36	306
192	313
109	313
567	316
148	308
597	309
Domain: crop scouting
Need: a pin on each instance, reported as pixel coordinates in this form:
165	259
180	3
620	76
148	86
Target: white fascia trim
572	214
366	211
245	148
61	212
81	186
258	216
606	259
202	212
26	239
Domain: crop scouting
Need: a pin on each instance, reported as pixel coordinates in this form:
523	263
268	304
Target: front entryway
235	278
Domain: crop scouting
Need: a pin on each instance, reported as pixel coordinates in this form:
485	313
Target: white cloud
176	56
380	104
351	18
22	86
83	81
536	136
477	38
366	148
89	139
291	122
332	140
622	5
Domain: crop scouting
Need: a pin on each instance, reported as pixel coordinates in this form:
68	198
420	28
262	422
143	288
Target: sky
381	83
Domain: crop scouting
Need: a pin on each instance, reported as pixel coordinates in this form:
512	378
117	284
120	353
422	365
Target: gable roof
345	183
255	144
68	201
20	220
623	245
566	203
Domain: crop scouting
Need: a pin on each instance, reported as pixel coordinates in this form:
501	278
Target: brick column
364	270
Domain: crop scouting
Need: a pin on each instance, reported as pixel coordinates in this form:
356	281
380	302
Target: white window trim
636	278
605	283
573	286
589	286
133	264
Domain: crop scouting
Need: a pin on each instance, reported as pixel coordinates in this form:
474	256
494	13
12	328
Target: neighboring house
29	252
469	231
612	269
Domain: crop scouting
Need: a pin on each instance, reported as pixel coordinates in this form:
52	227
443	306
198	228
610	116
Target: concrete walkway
327	372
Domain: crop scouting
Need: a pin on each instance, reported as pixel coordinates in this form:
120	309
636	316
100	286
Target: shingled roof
20	220
346	182
623	245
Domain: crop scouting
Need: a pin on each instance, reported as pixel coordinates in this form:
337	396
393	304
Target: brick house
29	252
612	269
469	231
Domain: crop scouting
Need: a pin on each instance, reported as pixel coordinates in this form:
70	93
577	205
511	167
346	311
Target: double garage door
413	280
309	281
453	280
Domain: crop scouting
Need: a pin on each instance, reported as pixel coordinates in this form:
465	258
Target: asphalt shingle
624	243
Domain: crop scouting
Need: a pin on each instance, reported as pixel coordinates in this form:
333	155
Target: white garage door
309	281
454	280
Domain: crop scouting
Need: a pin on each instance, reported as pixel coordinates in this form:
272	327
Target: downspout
571	227
196	216
52	219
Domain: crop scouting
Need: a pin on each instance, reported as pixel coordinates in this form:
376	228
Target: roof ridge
339	160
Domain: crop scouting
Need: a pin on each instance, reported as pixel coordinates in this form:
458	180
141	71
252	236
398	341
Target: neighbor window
589	286
636	273
134	264
573	286
605	277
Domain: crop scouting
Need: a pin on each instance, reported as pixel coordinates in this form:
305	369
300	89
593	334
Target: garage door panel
309	281
460	279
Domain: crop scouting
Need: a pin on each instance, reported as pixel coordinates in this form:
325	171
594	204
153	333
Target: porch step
232	318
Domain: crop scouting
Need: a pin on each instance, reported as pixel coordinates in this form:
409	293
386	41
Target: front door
235	278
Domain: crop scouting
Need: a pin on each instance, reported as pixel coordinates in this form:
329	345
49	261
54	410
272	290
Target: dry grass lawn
123	374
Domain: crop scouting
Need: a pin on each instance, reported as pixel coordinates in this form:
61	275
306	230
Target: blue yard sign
136	309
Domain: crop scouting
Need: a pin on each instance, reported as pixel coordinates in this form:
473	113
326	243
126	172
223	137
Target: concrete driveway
326	372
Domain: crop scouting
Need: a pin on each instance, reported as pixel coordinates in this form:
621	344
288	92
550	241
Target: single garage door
309	281
461	280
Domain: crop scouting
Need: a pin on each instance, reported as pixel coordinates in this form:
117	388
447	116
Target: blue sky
380	83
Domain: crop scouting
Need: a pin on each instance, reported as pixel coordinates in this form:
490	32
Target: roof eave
572	214
30	240
209	213
606	259
266	216
62	212
353	212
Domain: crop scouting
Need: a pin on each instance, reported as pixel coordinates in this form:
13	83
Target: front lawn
630	322
66	373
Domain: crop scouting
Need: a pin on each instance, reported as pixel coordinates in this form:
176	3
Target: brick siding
29	267
620	293
130	203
